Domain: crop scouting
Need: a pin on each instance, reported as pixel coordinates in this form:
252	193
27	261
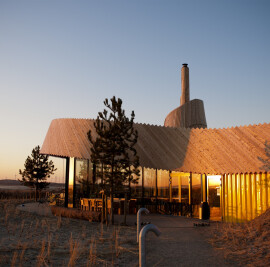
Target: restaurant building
182	163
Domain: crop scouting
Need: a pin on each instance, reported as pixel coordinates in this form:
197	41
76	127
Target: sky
62	58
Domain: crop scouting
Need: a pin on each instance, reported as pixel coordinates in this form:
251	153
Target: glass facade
163	178
176	186
244	196
149	183
82	178
71	183
136	189
214	182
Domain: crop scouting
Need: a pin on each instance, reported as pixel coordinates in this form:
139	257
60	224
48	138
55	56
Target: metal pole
142	250
139	220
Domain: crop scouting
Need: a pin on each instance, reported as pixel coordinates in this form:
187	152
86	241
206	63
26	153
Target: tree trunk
35	193
125	210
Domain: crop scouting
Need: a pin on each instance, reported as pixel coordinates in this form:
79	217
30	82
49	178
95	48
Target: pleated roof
210	151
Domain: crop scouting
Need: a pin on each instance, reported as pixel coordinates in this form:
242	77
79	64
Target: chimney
185	84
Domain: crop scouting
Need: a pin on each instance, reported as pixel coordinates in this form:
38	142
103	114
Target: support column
156	206
204	188
143	186
221	196
170	187
66	182
205	209
190	194
74	185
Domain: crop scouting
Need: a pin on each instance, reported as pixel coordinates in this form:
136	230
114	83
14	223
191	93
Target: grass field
28	239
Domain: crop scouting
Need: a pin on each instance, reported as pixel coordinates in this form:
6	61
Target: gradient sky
61	59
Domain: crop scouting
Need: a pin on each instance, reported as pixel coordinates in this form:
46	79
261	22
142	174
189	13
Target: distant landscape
9	184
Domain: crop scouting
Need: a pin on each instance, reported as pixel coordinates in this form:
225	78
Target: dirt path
181	243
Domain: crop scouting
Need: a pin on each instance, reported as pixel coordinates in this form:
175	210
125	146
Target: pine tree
37	169
113	150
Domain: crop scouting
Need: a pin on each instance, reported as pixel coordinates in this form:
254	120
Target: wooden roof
211	151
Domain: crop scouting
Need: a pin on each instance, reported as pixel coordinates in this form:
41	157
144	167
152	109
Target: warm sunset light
113	116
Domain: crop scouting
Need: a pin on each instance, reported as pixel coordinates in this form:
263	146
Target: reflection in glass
149	182
196	194
83	182
136	189
214	193
163	183
71	183
175	188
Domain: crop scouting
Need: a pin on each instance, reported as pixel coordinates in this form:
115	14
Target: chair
81	204
85	204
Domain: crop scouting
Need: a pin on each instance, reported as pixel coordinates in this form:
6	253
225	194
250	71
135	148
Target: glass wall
136	189
71	182
196	194
149	183
176	187
163	178
82	179
214	182
245	196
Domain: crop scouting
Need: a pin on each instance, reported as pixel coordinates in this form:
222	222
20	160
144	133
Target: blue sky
61	59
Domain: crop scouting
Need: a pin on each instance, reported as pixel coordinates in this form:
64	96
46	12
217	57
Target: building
180	167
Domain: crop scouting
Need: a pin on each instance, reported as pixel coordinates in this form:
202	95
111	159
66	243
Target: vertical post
125	210
261	193
74	185
156	193
170	192
221	197
241	197
170	187
245	190
88	179
235	197
266	189
180	193
206	189
190	194
143	186
227	194
66	182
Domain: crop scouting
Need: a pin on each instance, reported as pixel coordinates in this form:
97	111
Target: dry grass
28	239
91	216
247	243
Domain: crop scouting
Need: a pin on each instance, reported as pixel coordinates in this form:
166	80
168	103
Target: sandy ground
31	236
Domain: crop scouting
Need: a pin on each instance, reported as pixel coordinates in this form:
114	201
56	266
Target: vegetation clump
37	168
247	243
113	149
